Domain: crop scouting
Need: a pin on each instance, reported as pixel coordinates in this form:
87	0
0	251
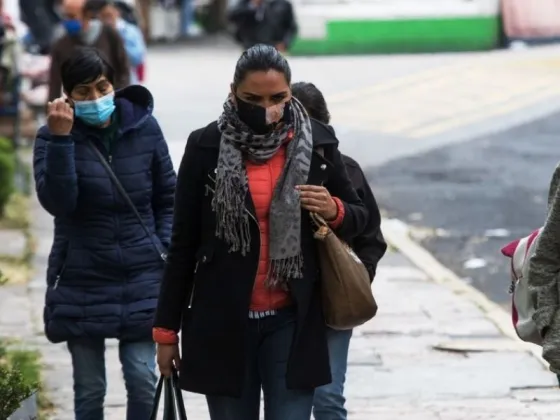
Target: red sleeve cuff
339	214
164	336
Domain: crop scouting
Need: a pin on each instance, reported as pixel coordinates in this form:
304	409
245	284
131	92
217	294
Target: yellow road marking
447	97
483	114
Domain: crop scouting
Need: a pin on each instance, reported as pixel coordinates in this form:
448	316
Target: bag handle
318	220
180	404
125	196
174	406
157	398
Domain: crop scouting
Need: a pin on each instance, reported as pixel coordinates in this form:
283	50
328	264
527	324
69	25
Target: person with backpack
110	14
370	246
544	283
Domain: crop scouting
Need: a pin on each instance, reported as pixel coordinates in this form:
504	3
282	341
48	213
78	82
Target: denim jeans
269	343
328	403
138	366
187	16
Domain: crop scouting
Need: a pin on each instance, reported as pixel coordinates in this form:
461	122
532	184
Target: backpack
522	305
520	251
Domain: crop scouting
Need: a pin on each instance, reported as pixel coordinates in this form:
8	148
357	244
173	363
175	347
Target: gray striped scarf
232	217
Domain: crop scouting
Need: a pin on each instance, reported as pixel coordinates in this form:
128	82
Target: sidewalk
394	371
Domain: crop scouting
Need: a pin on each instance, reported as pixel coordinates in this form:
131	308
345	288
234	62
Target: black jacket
370	246
206	290
271	23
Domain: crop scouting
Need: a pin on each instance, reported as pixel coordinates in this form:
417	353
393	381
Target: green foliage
20	377
27	362
7	172
14	389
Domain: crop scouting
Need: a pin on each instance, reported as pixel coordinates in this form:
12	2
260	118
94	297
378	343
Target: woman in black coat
242	277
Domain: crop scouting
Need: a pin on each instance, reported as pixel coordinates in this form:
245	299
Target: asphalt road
469	199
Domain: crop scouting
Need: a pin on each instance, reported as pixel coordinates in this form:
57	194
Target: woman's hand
168	357
317	199
60	117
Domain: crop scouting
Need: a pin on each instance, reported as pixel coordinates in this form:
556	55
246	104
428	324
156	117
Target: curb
397	234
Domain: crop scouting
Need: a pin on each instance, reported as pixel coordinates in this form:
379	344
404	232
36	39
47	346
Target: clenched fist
60	117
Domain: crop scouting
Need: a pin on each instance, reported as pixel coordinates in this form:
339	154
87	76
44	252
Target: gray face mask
93	31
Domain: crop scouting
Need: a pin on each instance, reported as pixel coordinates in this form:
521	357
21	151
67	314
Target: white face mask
93	31
121	23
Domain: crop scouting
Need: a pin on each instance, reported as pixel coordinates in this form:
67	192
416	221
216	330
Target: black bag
173	405
162	253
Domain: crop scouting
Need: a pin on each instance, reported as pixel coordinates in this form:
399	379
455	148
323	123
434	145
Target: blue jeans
187	16
268	348
328	403
90	385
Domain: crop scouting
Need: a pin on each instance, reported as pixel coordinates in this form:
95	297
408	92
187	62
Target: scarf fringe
280	271
232	226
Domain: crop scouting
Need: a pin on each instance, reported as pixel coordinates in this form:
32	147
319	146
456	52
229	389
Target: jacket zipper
59	276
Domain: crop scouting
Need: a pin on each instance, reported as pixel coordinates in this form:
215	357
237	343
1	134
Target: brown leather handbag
345	286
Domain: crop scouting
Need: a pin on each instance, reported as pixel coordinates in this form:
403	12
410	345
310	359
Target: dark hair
93	7
312	100
261	57
84	65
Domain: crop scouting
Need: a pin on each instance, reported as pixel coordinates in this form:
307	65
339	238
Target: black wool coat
206	290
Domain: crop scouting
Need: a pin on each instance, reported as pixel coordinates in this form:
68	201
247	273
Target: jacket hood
135	105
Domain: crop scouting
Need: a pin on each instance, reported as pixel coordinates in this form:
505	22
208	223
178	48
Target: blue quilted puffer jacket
104	272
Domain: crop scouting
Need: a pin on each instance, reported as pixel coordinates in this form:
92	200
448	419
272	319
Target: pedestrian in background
131	35
84	29
270	22
241	280
370	246
104	269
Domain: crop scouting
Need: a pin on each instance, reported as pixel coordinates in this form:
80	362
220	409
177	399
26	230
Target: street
424	128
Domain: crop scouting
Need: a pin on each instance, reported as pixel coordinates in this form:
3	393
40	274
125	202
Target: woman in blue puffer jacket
107	258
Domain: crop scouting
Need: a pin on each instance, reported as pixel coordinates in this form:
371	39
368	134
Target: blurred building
397	26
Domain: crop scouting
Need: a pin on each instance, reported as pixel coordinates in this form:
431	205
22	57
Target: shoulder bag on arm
161	252
345	287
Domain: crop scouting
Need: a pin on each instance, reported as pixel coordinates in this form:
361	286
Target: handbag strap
174	406
126	197
180	405
157	397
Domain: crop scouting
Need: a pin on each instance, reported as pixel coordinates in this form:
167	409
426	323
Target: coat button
323	167
216	170
204	259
